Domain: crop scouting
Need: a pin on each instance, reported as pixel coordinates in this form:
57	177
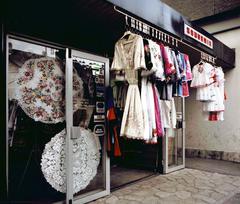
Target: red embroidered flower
27	74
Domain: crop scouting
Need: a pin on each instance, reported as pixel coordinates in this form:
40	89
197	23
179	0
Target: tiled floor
187	186
217	166
216	182
121	176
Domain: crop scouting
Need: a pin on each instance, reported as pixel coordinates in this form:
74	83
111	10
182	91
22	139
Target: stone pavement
187	186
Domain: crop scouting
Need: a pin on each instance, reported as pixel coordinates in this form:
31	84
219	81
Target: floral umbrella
40	90
86	157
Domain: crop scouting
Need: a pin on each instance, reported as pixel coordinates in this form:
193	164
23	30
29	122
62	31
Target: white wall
219	136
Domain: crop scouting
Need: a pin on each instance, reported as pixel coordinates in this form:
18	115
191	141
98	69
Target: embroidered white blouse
169	117
129	53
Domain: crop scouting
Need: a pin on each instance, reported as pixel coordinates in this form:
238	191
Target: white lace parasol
40	90
86	157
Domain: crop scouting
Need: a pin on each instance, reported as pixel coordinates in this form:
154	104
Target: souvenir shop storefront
93	95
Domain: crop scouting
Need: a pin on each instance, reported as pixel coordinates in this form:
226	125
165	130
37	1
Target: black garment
147	54
165	90
85	73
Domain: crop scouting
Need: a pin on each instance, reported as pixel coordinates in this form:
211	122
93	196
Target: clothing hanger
201	62
127	34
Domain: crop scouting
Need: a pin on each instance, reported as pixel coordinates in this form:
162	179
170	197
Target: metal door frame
92	195
166	168
27	40
87	197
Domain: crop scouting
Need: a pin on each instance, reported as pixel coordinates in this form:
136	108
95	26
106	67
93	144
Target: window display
37	123
36	94
89	148
152	75
86	158
209	81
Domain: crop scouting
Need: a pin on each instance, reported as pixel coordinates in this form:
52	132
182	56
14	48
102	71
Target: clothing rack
160	35
208	58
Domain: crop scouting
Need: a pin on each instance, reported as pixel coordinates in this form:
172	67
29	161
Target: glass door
174	140
35	118
88	164
56	147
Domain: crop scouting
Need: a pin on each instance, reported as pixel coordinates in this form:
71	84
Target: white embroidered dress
218	86
169	116
202	80
129	57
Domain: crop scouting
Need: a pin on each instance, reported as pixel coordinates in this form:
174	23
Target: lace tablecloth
86	157
40	90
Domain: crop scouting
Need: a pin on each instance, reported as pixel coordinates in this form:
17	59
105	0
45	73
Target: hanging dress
151	109
168	64
157	62
188	68
169	117
158	118
129	57
218	104
202	81
144	100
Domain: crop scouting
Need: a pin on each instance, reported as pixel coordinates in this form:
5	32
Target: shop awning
95	26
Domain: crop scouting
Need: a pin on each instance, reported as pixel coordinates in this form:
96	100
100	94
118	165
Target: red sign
191	32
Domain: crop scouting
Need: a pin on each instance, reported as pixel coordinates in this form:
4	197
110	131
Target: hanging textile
128	53
202	78
209	81
86	158
151	110
188	68
157	60
169	117
40	90
158	118
216	107
129	57
132	122
144	101
168	64
165	74
113	146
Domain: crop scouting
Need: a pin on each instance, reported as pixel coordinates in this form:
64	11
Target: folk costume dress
128	58
202	80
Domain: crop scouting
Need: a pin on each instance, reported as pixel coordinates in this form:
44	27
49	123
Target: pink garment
157	113
185	90
168	65
188	69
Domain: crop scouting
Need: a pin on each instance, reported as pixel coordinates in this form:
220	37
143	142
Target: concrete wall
218	136
196	9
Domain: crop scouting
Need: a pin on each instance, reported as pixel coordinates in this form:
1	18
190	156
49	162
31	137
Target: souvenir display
86	158
154	74
209	82
40	90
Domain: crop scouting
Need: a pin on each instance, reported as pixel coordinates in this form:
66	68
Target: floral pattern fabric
40	90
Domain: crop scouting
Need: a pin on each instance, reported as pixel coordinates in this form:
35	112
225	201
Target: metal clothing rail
160	35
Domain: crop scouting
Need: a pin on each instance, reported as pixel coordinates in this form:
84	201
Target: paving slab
187	186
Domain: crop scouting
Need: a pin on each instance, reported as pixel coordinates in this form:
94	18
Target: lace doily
40	90
86	157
